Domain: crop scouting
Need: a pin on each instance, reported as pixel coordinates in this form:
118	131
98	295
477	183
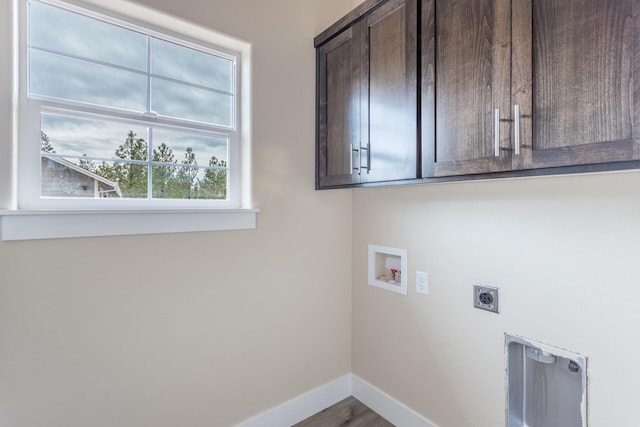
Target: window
117	114
130	122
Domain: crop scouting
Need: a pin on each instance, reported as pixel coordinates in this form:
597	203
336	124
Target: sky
97	138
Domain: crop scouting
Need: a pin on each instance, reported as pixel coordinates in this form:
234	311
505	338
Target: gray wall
564	252
190	329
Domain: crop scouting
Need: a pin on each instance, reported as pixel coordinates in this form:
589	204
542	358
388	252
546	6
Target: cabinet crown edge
357	13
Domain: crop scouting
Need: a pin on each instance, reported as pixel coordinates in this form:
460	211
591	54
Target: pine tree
187	176
88	164
132	177
214	184
45	143
163	175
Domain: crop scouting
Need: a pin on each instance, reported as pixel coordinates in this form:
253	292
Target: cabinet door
466	87
576	66
338	110
389	126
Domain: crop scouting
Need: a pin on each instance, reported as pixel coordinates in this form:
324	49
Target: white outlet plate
422	283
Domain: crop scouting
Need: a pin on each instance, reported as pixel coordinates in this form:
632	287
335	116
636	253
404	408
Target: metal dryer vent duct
538	355
547	385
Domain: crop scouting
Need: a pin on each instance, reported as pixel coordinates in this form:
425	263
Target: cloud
182	101
66	78
190	65
56	29
75	136
204	145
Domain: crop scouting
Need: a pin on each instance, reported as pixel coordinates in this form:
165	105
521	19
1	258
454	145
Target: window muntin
177	100
103	88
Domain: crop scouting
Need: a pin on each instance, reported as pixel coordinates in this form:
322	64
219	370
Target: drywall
6	119
564	253
199	329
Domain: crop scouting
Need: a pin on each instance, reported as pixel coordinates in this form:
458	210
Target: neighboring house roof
66	163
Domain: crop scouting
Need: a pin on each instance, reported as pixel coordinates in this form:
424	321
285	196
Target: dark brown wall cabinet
506	88
367	96
528	84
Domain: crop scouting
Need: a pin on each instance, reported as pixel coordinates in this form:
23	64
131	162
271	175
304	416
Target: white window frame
78	217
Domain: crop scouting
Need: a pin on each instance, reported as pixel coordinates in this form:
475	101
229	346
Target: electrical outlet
422	283
486	298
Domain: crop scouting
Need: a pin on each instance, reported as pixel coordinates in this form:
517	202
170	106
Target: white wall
6	118
190	329
564	252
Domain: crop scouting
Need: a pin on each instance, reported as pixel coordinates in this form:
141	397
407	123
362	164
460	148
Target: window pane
186	156
65	78
74	150
191	66
214	184
94	138
187	102
60	30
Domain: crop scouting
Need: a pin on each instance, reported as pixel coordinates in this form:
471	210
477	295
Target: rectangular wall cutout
547	386
388	268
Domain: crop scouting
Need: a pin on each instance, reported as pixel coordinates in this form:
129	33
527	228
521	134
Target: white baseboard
314	401
395	412
303	406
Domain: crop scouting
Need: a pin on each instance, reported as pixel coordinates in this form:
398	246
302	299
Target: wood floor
349	412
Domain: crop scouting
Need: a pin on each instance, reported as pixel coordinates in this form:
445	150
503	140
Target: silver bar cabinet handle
368	157
351	150
496	133
516	128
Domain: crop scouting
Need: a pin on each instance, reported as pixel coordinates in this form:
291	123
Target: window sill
58	224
